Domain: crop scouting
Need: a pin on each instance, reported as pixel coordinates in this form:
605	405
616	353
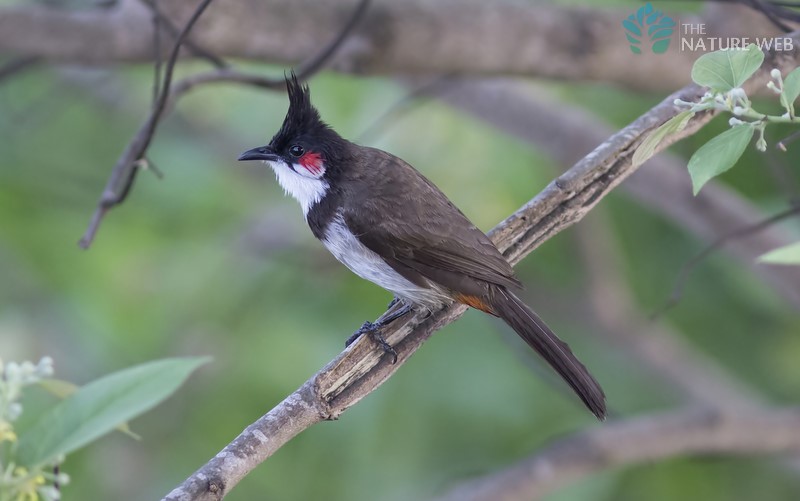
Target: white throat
305	188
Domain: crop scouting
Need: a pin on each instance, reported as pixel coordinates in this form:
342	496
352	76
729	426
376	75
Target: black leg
373	329
400	312
393	302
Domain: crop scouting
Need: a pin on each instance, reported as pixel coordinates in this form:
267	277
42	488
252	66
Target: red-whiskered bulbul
390	225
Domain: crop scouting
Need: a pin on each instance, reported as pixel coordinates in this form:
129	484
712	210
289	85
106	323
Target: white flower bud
12	372
733	121
775	73
774	88
738	93
45	367
49	493
27	367
681	102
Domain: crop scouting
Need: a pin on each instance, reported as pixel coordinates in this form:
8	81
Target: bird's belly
345	247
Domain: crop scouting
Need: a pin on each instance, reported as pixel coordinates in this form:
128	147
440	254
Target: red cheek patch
312	162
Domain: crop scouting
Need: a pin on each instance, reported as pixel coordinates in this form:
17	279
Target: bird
389	224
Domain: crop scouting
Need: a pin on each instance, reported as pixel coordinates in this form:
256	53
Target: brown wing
400	215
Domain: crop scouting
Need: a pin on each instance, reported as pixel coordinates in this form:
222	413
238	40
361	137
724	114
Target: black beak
260	153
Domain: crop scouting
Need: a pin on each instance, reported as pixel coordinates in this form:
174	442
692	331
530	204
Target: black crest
302	113
302	118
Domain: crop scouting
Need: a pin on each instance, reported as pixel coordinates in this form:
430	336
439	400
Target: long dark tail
533	330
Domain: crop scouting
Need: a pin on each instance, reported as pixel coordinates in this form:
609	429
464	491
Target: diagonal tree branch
361	368
566	133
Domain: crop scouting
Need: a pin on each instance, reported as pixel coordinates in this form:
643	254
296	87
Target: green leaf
650	143
62	389
723	70
791	85
98	407
791	89
789	254
718	155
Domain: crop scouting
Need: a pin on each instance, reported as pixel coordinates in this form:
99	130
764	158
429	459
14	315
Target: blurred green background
214	260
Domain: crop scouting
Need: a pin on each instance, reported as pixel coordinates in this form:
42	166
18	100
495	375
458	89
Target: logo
648	28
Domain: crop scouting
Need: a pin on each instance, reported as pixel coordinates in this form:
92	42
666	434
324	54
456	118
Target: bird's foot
372	329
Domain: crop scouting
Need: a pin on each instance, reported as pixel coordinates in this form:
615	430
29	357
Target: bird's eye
296	150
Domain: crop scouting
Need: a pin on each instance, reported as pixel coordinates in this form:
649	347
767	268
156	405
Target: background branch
653	346
636	440
17	66
719	242
399	37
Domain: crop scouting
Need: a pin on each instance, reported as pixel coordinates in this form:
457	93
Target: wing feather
422	232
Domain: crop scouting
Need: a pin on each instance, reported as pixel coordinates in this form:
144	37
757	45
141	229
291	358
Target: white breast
341	242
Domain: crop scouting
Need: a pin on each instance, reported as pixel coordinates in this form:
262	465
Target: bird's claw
373	331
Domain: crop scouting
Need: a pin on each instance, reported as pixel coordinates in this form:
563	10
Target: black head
304	143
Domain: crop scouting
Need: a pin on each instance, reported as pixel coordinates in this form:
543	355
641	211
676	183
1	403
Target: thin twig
125	169
124	173
156	57
161	19
686	270
313	65
304	70
781	145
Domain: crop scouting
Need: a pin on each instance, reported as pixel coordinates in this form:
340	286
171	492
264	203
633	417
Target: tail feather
535	332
